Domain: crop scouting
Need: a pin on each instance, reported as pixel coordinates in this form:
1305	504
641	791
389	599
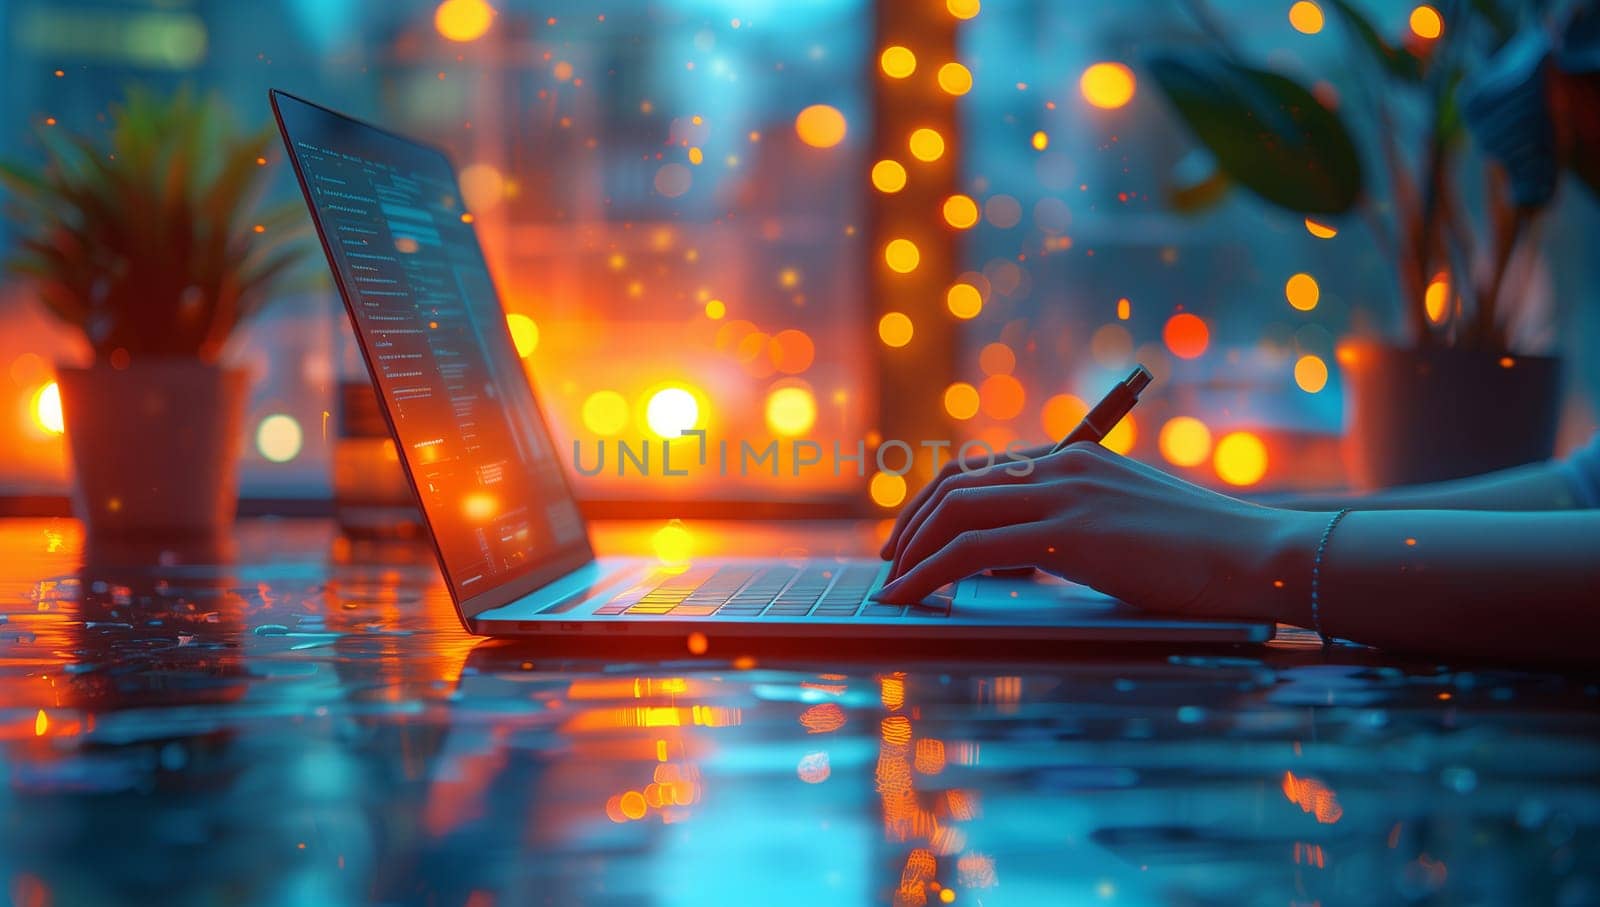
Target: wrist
1282	565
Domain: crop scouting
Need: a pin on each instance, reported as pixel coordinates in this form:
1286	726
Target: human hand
1117	525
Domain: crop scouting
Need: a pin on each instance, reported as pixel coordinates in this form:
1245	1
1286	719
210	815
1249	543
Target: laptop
511	542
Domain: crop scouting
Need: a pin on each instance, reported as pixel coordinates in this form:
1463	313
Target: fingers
1018	545
951	468
977	508
992	476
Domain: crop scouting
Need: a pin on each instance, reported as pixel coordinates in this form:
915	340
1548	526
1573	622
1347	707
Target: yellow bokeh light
1107	85
926	144
1240	458
820	126
47	409
1041	140
962	9
888	176
673	544
1436	298
1302	292
1311	373
791	411
524	333
671	411
716	309
902	256
480	506
463	20
1184	441
897	62
961	400
279	438
964	300
960	211
1321	230
955	79
1121	437
1306	17
887	489
1426	23
895	329
605	412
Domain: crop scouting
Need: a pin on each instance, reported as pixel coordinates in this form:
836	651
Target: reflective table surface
295	718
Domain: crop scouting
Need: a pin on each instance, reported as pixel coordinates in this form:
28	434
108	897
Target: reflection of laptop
513	547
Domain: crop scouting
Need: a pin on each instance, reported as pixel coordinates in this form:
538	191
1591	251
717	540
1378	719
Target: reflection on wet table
309	724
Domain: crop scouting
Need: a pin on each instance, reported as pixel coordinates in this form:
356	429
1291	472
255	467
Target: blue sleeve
1583	474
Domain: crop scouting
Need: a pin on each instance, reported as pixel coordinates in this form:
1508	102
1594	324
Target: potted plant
1526	87
150	243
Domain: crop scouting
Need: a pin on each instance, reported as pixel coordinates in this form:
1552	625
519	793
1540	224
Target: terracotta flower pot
155	446
1426	415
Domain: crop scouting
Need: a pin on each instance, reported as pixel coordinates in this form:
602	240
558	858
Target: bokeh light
524	333
960	211
1240	459
1107	85
897	62
605	413
1041	140
1302	292
1002	397
962	9
1184	441
791	411
964	300
888	176
901	255
463	20
279	438
961	400
1061	414
716	309
1122	435
483	186
1186	335
792	351
1321	230
672	411
926	144
820	126
955	79
1306	17
480	506
997	359
672	544
46	409
1436	298
1311	373
1426	23
895	329
887	489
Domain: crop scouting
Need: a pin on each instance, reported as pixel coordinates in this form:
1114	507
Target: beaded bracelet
1316	573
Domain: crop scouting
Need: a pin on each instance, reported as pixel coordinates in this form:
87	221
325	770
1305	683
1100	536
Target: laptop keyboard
757	590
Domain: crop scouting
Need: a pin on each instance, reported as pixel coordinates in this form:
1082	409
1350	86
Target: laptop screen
430	325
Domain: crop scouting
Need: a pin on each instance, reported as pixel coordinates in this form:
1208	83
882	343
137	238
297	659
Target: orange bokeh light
820	126
1306	17
1186	335
1426	23
463	20
1107	86
1240	458
1184	441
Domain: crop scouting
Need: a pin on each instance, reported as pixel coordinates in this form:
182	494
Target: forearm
1536	487
1510	585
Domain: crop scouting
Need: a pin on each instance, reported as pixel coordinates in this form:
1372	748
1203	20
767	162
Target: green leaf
1396	61
1268	134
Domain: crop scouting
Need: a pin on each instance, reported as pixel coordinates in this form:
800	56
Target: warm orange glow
791	411
997	359
463	20
962	9
524	333
605	413
1426	23
928	758
792	351
820	126
633	805
901	255
1121	437
479	506
279	438
697	643
895	329
1306	17
1124	309
1061	414
1321	230
961	400
1041	140
41	724
887	489
960	211
1107	85
696	156
673	543
897	62
892	691
1186	335
1302	292
1240	458
955	79
483	186
47	409
1185	441
1002	397
672	411
716	309
822	718
1436	298
926	144
1311	373
1314	797
888	176
964	300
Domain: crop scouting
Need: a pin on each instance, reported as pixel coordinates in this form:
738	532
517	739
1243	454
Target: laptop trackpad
1037	595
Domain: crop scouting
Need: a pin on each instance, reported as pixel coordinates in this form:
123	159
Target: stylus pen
1109	411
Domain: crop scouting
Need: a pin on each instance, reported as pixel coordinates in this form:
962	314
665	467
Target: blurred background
838	220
